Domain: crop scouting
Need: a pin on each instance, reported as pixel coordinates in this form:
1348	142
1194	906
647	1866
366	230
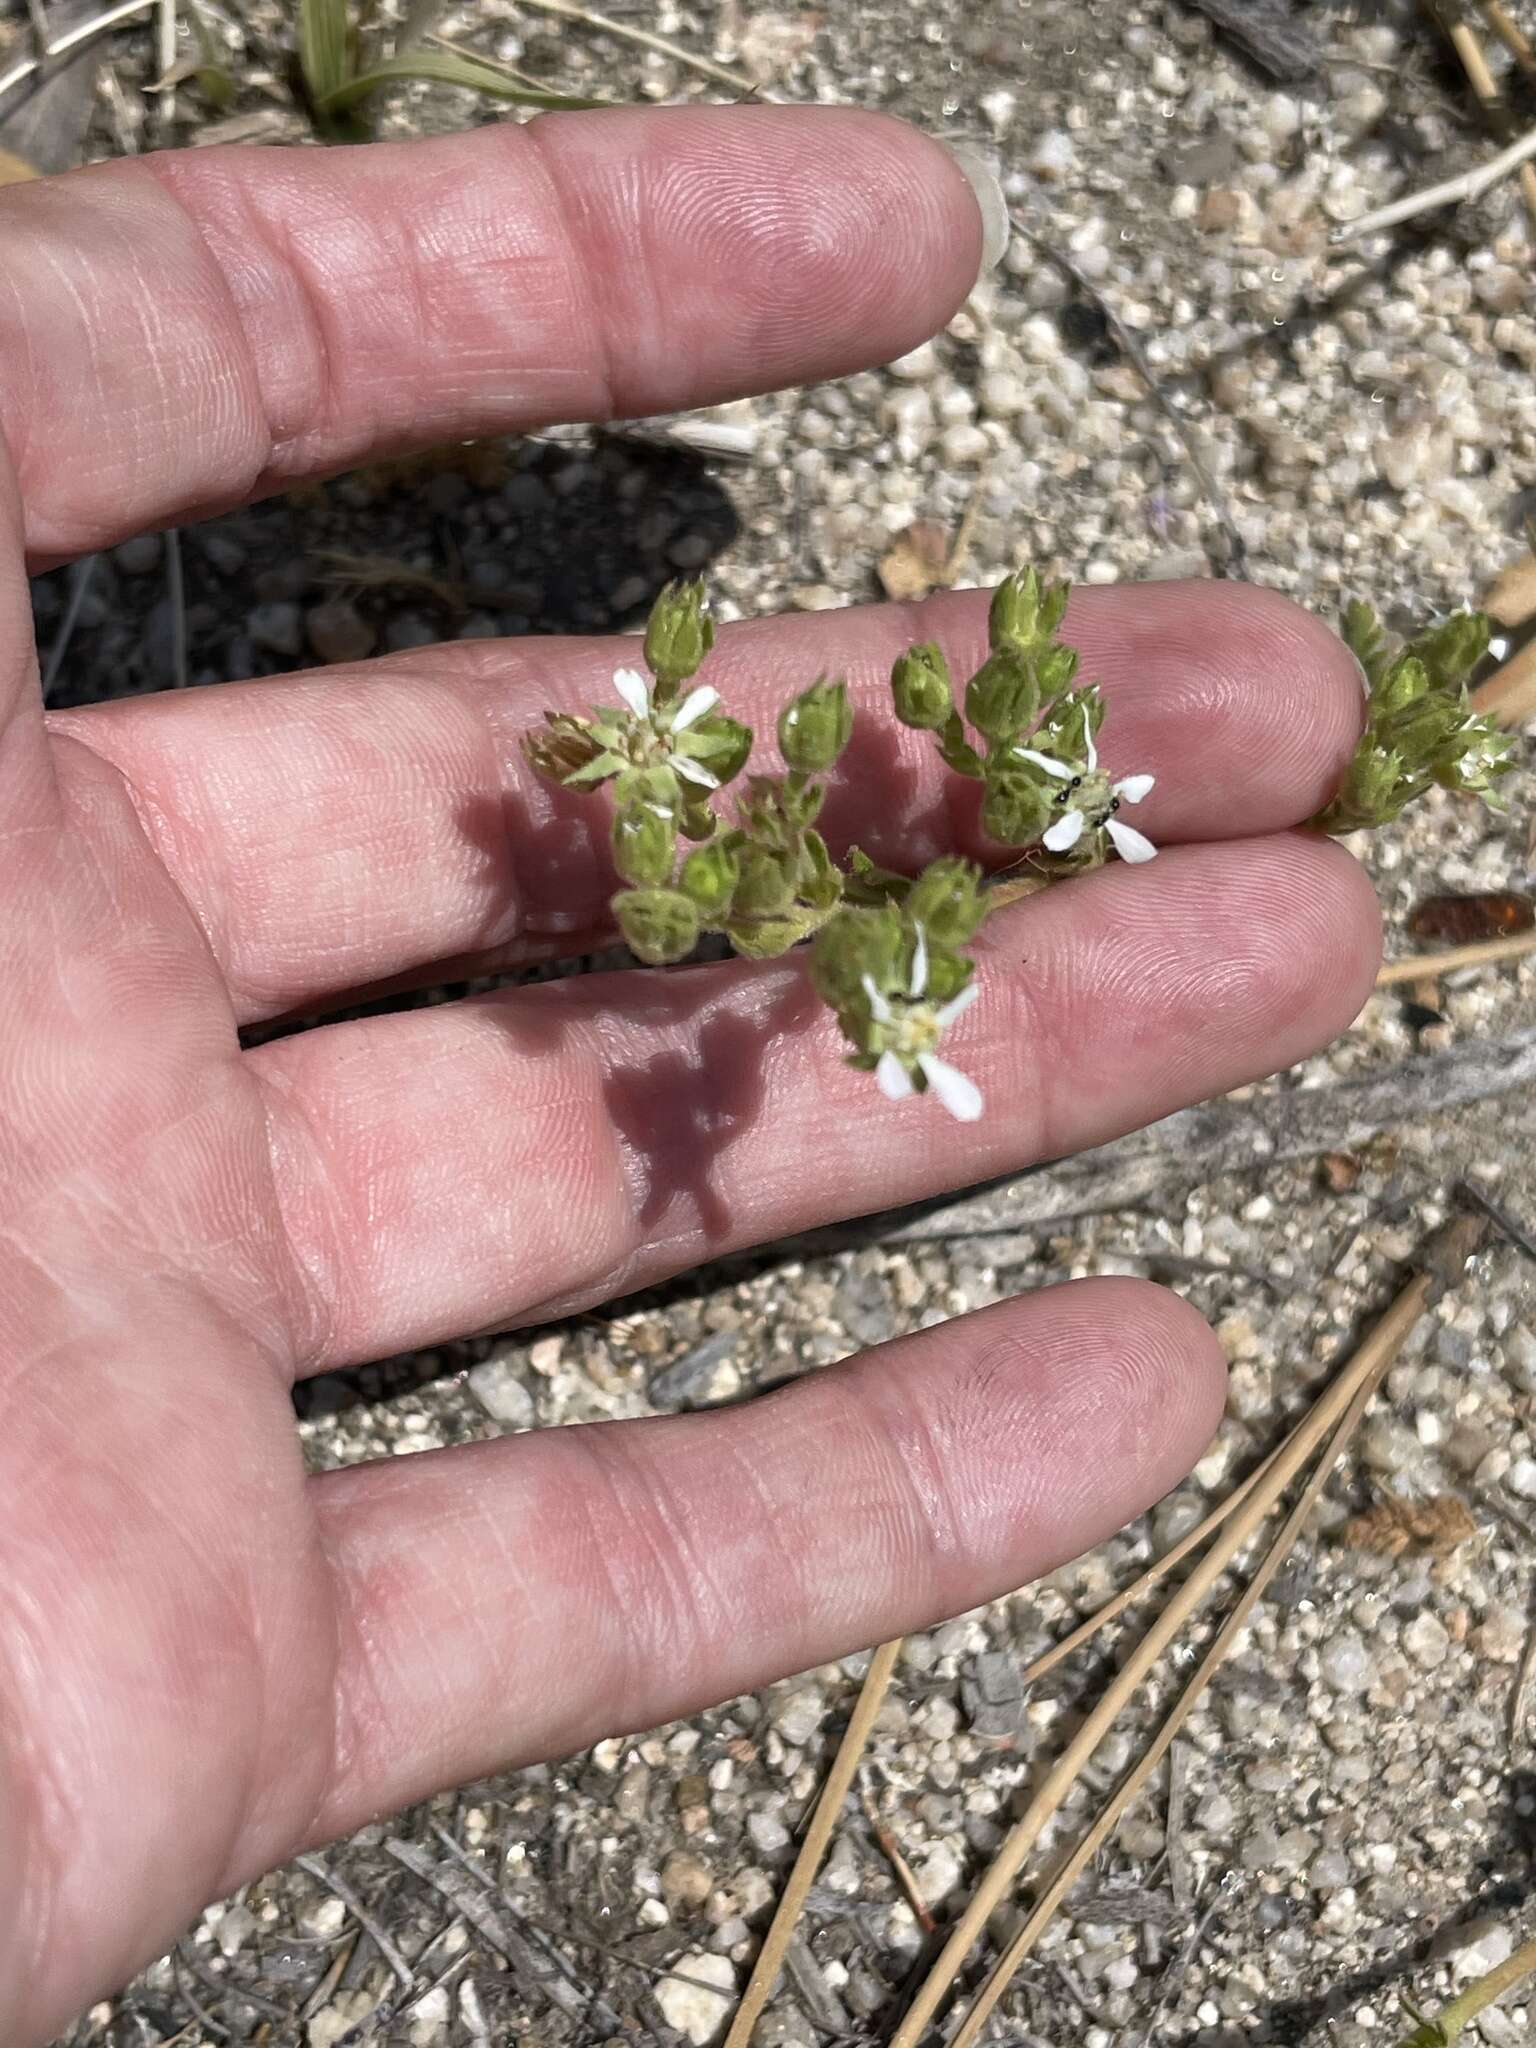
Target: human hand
207	1658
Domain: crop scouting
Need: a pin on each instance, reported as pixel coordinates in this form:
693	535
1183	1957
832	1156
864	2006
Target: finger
481	1163
187	330
335	831
519	1599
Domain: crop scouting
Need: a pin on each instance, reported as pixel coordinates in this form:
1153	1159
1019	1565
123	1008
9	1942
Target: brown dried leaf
916	563
15	170
1463	920
1394	1525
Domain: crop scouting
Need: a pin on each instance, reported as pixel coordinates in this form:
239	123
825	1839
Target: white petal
892	1078
1134	787
1129	843
958	1092
694	771
879	1008
1065	833
1093	752
694	706
1046	761
957	1005
634	689
919	979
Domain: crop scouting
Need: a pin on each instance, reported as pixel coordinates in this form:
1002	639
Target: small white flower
923	1026
694	771
634	689
694	706
1064	834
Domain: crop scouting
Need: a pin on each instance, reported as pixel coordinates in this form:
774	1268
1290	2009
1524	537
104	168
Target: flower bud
1001	698
679	634
659	925
1016	808
1404	683
766	884
709	878
921	687
1014	619
814	727
644	845
946	900
1451	650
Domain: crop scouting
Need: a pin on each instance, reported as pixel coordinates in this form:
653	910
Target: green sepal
1002	698
709	878
921	688
644	845
956	751
659	925
815	727
678	635
1017	806
765	886
947	901
765	938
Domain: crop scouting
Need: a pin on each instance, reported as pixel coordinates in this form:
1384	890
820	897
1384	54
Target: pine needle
829	1806
1379	1348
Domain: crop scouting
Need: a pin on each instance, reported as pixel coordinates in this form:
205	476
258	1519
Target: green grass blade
325	48
441	67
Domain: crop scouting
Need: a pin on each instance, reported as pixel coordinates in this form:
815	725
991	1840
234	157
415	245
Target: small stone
279	629
1487	1947
938	1874
688	1378
1427	1640
1344	1663
1328	1871
798	1717
1501	1636
323	1919
1215	1813
234	1930
1052	156
1222	209
137	557
499	1388
769	1835
331	2022
917	365
1521	1478
685	1881
698	1996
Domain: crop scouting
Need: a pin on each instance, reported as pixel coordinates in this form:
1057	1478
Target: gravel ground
1355	1806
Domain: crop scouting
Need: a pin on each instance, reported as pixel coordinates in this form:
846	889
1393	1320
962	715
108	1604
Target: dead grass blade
1430	966
1379	1348
442	67
1051	1899
781	1932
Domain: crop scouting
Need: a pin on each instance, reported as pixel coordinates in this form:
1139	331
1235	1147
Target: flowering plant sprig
1420	727
888	951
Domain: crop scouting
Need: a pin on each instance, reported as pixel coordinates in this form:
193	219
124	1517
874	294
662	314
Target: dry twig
1511	35
1463	39
1449	192
72	39
381	1940
1430	966
1332	1407
781	1932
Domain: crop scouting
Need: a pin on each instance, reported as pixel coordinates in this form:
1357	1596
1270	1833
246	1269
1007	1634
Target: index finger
184	331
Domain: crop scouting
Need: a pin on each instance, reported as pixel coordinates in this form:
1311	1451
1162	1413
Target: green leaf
439	67
326	48
659	925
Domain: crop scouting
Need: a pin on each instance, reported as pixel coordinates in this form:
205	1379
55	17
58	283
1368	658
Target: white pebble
1426	1640
693	2007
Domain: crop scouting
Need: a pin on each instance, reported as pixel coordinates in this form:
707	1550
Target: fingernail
987	186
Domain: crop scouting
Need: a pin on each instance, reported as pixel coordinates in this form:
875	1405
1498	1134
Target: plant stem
1443	2029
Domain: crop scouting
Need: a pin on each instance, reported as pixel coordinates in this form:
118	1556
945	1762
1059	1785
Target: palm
207	1658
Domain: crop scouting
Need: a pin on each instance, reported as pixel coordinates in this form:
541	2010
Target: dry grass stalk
1448	2022
1511	598
1430	966
1509	695
1511	35
1495	111
72	39
1379	1348
845	1764
1049	1904
1525	1689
